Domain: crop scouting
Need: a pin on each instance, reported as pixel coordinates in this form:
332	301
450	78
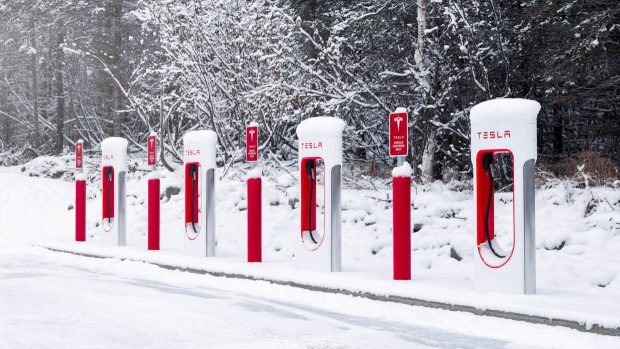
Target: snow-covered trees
80	69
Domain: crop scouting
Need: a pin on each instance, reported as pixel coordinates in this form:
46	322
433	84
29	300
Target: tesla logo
312	145
151	141
398	121
251	132
493	134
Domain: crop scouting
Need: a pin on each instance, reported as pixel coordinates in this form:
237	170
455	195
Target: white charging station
199	156
508	127
113	180
320	165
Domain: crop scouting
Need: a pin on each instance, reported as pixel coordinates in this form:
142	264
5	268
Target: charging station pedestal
199	169
113	178
320	162
507	127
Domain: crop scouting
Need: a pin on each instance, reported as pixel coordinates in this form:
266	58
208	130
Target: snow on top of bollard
114	144
400	110
321	126
253	123
200	136
516	110
403	170
256	172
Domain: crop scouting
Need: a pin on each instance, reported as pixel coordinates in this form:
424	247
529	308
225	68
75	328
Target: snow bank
321	125
505	109
49	167
403	170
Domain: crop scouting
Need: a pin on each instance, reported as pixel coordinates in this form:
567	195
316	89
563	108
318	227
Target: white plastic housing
200	147
508	125
321	137
114	154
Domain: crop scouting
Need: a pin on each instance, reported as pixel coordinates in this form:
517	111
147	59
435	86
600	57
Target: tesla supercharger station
504	128
80	193
113	178
199	153
320	163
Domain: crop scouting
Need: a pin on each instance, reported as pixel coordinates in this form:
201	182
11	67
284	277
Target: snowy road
56	300
52	300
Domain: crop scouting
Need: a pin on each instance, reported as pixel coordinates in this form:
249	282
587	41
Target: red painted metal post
80	210
254	220
153	219
401	220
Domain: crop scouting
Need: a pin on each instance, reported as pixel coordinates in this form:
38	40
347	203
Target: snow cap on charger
111	143
321	125
199	136
505	109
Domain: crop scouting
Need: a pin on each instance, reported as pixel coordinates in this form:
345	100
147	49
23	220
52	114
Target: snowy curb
384	297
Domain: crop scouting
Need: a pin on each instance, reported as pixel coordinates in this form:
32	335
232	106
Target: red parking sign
78	155
251	143
152	150
399	134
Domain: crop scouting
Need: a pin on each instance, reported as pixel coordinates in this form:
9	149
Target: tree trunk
428	158
117	35
35	84
60	88
558	144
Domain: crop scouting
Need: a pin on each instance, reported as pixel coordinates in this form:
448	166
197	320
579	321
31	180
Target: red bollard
80	210
401	218
153	219
254	220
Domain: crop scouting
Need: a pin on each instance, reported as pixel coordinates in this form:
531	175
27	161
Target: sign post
401	192
80	193
253	195
153	194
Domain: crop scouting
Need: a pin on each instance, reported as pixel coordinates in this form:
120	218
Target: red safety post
401	193
80	194
153	223
401	218
254	220
80	210
153	195
255	223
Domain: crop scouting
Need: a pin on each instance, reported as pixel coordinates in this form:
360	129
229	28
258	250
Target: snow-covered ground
578	239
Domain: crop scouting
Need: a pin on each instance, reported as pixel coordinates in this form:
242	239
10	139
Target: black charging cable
108	173
193	173
311	171
487	161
